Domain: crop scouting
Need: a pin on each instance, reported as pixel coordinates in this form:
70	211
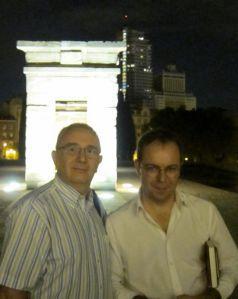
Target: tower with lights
136	81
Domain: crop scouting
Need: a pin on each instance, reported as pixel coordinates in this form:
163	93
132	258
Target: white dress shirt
146	260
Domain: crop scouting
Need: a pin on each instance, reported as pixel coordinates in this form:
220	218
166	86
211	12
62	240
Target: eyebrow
66	144
155	165
74	143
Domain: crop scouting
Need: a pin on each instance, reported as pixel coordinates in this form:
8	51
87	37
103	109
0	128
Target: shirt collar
71	194
180	200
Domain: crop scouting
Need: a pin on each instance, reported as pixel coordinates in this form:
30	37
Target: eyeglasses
152	169
74	150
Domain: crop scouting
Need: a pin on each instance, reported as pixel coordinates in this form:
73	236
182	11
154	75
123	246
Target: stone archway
70	82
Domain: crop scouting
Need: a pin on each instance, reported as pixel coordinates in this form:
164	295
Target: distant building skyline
10	122
198	36
172	93
137	77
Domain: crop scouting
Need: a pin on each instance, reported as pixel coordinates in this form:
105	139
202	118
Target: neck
160	211
157	205
83	190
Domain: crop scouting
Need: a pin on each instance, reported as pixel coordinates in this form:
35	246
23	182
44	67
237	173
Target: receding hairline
161	136
158	142
75	126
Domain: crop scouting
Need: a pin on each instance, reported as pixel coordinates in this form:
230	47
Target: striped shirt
55	246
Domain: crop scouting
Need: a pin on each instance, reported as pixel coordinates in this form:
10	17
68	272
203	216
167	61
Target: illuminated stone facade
141	118
10	121
173	91
70	82
8	138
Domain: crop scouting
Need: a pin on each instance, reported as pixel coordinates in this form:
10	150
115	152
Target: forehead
79	135
161	153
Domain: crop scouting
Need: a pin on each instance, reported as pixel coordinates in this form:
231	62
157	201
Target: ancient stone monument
66	82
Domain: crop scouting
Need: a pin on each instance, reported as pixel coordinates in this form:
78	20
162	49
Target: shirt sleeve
227	252
120	291
25	248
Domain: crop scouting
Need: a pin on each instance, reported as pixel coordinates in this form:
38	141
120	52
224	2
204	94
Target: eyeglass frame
152	169
86	150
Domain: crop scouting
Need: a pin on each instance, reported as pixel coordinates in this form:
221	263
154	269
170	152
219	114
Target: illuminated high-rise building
136	81
172	91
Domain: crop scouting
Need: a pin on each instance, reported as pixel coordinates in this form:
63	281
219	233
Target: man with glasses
55	244
157	240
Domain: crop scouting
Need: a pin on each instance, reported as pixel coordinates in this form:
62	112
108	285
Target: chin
80	180
162	196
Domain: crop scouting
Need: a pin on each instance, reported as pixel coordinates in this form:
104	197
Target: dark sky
200	36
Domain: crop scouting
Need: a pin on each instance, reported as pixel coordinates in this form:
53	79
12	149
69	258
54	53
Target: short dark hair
160	135
73	126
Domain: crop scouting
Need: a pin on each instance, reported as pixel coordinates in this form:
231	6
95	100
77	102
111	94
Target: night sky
200	37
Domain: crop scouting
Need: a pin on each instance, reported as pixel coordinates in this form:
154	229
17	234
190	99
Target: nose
161	175
81	156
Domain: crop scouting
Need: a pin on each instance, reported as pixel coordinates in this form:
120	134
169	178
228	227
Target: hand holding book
212	264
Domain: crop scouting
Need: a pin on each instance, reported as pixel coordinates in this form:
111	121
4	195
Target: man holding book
157	240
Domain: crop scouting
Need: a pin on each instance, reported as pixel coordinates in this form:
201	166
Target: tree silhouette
205	133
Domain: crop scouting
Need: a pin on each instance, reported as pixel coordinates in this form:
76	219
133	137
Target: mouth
80	169
160	188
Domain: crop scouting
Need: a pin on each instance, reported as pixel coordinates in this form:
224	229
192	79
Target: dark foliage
205	133
125	131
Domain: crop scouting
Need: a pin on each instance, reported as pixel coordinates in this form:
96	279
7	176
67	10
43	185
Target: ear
137	167
53	155
99	159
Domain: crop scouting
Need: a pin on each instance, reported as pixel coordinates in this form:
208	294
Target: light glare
127	185
106	195
11	187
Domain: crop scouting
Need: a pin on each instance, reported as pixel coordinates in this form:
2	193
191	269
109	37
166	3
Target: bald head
72	127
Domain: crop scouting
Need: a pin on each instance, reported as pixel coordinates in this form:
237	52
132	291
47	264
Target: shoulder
198	205
120	222
192	200
126	211
28	202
